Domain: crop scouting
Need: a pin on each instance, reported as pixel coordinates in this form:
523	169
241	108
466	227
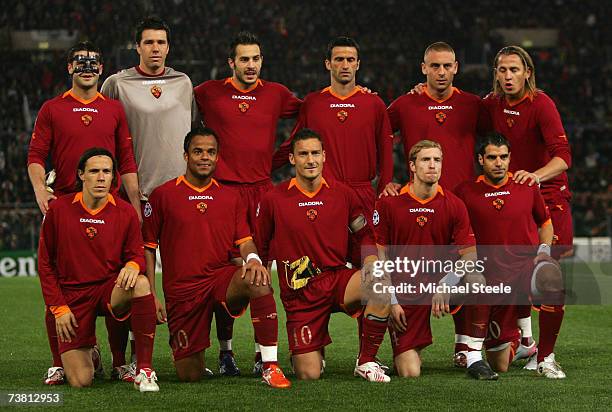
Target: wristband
253	256
544	248
394	299
450	279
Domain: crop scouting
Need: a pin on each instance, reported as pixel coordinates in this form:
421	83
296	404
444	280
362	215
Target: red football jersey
293	223
79	247
66	126
356	135
246	125
533	127
452	122
508	214
407	220
195	229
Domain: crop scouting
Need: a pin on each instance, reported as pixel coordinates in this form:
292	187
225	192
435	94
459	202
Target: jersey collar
406	190
453	91
356	90
182	179
78	99
143	73
294	183
504	182
230	80
79	198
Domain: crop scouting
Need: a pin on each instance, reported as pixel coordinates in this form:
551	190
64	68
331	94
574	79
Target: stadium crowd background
576	73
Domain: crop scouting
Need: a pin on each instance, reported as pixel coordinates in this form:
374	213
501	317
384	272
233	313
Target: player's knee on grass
78	367
549	279
408	364
307	366
499	360
142	287
190	369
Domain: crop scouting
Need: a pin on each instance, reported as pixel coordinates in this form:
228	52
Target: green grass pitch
583	349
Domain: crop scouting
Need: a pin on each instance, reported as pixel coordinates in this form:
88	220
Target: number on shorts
304	338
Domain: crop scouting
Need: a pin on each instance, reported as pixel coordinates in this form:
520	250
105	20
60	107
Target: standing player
66	126
90	255
244	110
304	225
522	222
158	101
196	221
530	121
424	215
442	113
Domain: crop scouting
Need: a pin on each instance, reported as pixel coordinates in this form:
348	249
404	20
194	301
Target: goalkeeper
304	225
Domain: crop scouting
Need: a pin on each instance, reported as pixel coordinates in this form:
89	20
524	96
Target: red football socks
143	326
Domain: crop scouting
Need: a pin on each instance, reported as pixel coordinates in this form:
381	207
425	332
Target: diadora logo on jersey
98	221
201	197
440	108
236	97
422	210
84	109
505	192
339	105
303	204
513	112
149	82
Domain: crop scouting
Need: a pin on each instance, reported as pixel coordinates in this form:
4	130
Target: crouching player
89	261
522	222
196	222
426	216
304	225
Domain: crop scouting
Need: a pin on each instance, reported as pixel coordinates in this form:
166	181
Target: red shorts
563	241
502	326
309	309
86	304
367	199
418	332
189	320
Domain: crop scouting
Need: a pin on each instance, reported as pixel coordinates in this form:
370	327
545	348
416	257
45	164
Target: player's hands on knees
127	277
398	318
66	327
419	88
391	189
255	273
523	176
160	311
43	198
440	304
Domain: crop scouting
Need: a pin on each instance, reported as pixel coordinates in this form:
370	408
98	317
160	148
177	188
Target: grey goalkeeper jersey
160	111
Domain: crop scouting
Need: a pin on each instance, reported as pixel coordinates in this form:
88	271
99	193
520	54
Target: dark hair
198	131
305	134
151	23
342	41
244	37
88	154
83	46
493	138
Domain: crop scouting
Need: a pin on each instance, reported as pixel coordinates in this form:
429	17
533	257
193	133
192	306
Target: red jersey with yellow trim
407	220
195	229
66	126
503	215
533	127
245	122
356	135
80	247
293	223
452	122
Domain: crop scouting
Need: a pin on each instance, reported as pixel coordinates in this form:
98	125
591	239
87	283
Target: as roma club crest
498	204
440	117
421	220
202	207
342	115
86	119
91	232
510	121
312	214
156	91
243	107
